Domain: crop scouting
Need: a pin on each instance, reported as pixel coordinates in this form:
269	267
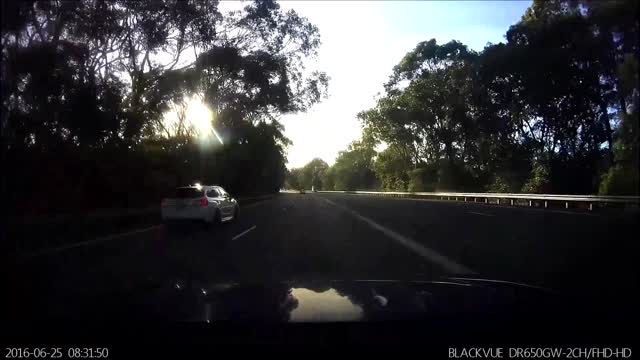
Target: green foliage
293	180
397	185
628	74
416	180
328	179
539	181
353	169
312	175
314	171
81	65
623	178
391	167
484	121
500	185
620	180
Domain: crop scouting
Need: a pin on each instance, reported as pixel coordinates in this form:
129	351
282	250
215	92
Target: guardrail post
545	204
474	199
498	201
566	205
511	202
465	199
486	200
530	203
590	206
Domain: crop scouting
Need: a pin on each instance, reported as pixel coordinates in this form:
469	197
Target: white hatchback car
211	204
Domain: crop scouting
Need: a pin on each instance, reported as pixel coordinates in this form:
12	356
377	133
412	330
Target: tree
549	110
293	179
84	79
112	52
353	169
623	178
329	179
428	112
313	173
392	169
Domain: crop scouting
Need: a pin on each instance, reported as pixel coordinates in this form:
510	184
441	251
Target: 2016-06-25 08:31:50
56	353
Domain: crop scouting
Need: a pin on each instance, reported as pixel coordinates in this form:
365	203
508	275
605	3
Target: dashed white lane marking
243	233
91	242
571	213
429	254
478	213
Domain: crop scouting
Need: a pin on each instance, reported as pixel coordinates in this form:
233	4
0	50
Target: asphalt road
335	236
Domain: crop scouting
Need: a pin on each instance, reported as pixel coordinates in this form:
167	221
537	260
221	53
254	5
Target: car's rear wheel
215	220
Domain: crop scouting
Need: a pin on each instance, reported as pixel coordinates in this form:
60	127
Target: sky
362	41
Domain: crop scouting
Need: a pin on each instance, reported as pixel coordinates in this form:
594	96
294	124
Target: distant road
339	236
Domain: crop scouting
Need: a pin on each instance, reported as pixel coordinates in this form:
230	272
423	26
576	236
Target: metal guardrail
545	198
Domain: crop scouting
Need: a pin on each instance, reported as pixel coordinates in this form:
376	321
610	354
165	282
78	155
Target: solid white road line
429	254
243	233
91	242
569	212
481	214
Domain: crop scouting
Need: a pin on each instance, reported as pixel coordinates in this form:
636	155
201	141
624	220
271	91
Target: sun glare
199	115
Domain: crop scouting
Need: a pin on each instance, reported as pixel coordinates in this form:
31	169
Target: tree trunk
448	148
623	104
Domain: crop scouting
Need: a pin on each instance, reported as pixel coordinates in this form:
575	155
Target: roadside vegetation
86	86
553	109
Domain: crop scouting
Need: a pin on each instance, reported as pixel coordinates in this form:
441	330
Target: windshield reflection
328	305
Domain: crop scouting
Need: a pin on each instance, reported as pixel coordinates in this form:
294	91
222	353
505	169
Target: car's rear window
188	193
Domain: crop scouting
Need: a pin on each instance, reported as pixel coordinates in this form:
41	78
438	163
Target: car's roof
195	187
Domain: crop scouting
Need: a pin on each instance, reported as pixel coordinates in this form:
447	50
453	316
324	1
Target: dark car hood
309	301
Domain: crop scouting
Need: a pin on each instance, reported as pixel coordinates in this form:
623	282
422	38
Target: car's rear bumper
177	216
182	218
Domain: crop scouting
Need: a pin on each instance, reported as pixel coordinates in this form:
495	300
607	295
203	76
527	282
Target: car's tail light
204	202
164	203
